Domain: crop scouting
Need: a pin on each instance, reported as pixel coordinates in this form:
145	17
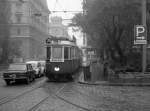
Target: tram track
46	98
71	103
7	99
58	96
56	93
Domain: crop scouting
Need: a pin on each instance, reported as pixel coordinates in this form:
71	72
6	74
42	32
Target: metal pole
84	34
144	58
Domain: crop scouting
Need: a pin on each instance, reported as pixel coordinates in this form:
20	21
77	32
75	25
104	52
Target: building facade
29	27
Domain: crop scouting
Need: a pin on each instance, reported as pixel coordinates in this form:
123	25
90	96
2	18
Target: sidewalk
82	81
113	83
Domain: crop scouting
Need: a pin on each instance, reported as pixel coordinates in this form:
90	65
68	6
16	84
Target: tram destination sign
140	34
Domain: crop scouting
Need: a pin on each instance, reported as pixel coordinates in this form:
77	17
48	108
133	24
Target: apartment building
29	23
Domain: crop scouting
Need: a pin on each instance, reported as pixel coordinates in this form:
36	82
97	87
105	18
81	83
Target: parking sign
140	34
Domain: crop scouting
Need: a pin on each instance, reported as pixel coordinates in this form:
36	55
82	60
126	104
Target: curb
109	83
94	83
106	83
129	84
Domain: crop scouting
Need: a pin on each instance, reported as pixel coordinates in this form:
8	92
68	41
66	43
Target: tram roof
60	41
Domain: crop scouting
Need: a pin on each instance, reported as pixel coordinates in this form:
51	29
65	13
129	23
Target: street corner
82	80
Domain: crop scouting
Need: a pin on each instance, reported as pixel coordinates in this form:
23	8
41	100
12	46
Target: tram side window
66	52
48	52
72	52
76	52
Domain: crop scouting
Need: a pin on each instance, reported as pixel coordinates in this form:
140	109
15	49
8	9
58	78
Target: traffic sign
140	34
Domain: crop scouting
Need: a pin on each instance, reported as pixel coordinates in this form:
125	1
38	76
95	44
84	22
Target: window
17	67
28	67
72	53
57	52
48	52
18	4
18	18
38	65
66	52
76	53
18	31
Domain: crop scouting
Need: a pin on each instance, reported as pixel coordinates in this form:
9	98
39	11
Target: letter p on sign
140	34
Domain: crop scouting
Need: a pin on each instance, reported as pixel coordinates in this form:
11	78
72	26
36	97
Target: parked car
37	67
19	71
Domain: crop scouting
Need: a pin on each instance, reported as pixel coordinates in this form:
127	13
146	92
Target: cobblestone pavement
71	96
16	88
9	93
76	97
118	98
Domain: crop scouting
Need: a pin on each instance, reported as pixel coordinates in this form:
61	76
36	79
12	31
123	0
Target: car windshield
17	67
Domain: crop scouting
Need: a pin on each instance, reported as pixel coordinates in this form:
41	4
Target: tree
110	25
4	30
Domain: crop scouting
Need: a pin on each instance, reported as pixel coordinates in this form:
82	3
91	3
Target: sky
66	5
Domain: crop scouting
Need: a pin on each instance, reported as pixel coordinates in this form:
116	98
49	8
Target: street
95	44
43	95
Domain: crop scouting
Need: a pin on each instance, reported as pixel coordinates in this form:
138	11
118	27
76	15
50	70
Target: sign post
140	34
144	57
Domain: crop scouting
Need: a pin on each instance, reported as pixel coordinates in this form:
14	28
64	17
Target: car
37	67
19	71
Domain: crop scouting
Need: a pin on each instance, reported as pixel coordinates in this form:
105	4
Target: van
37	67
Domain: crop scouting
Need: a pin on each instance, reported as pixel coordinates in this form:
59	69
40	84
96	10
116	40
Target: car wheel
7	82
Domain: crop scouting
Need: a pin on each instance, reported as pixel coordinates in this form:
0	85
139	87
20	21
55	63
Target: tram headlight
56	68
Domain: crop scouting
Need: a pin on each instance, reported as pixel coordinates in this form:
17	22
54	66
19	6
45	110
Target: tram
63	58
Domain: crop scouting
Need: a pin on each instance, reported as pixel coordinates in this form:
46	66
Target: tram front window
57	53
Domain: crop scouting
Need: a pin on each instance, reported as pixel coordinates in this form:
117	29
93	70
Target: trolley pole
144	47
